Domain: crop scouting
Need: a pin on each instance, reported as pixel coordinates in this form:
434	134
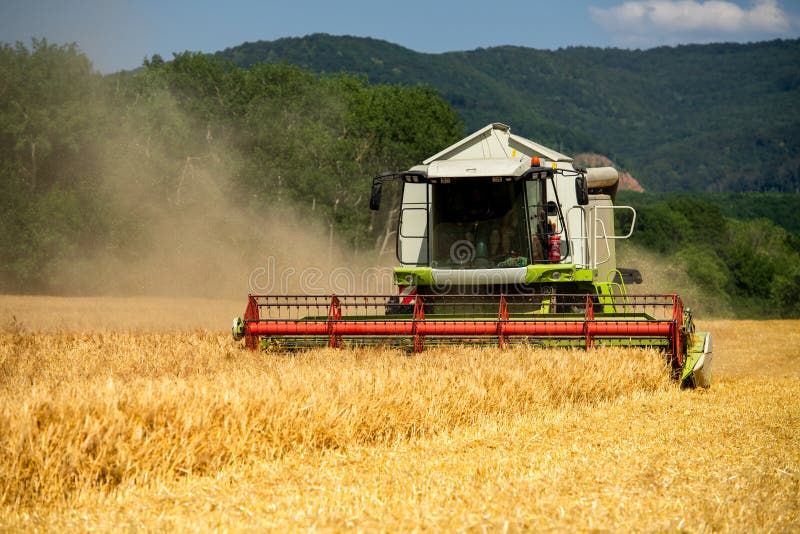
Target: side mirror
375	195
581	190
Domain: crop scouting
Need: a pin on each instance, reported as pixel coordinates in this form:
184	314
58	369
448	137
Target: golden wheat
94	410
111	430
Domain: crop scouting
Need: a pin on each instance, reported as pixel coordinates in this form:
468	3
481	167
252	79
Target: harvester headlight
556	275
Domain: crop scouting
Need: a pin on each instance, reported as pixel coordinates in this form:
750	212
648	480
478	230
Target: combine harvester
500	241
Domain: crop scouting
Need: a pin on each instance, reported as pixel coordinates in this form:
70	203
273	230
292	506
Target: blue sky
118	34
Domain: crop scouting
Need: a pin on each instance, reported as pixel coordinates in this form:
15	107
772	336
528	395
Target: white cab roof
496	142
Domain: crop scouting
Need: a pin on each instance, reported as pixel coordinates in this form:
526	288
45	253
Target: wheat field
143	414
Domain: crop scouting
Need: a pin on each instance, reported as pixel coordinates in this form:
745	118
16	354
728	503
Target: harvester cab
500	240
498	213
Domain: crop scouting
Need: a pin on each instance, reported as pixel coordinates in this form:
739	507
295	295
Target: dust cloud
667	275
194	233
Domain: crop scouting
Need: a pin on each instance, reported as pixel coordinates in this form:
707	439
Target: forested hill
717	117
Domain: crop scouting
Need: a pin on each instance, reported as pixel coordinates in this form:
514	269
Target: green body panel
536	273
279	344
606	292
693	354
581	281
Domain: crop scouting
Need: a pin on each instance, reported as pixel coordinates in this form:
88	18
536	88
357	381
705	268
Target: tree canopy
747	266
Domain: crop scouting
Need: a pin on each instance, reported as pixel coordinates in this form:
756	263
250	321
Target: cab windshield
479	223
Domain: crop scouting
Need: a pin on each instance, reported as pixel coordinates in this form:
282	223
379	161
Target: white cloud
680	20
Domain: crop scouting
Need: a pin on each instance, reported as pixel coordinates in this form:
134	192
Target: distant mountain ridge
716	117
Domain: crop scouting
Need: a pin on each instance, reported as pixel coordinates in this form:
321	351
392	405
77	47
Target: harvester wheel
575	304
393	307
